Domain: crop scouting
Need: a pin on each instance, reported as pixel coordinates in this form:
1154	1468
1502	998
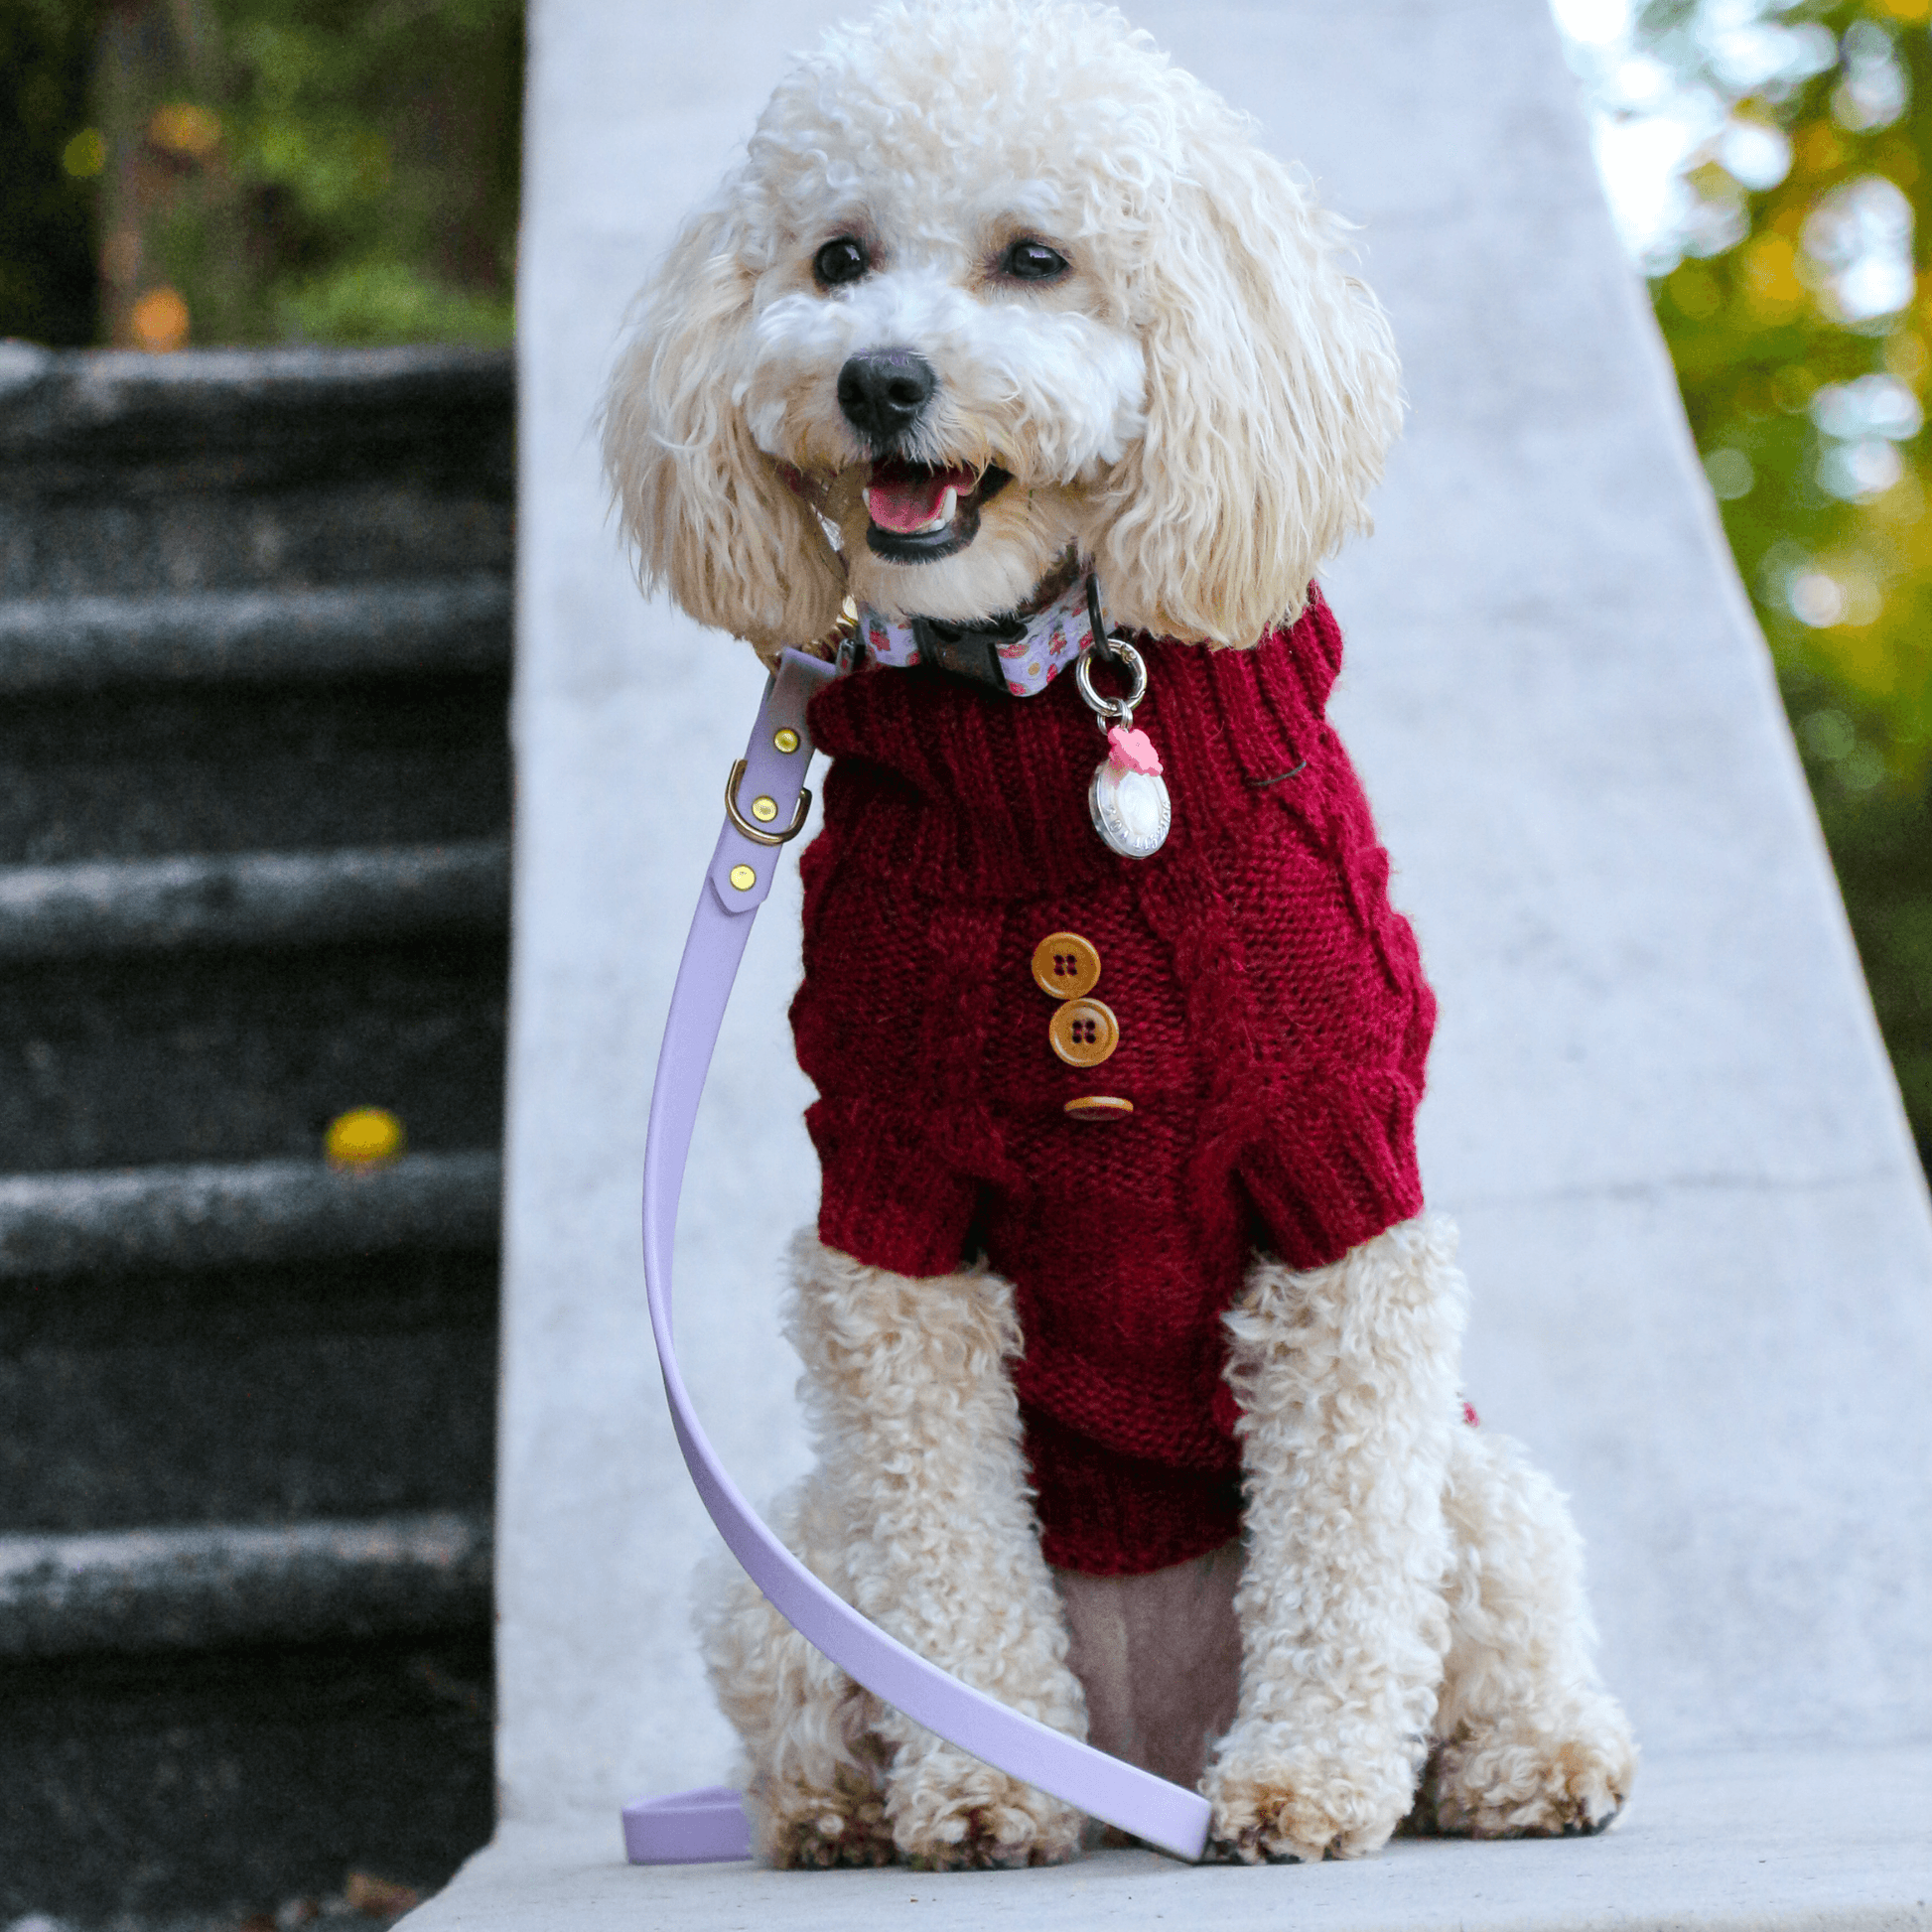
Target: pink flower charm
1133	751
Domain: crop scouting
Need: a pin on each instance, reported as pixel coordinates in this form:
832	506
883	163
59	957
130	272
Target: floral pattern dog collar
1024	654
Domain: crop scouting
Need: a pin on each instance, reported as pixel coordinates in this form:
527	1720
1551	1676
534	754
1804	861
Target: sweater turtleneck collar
956	786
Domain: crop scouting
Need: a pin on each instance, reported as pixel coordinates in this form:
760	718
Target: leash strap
696	1826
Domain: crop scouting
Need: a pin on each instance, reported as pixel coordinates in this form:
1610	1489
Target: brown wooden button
1066	965
1084	1033
1098	1106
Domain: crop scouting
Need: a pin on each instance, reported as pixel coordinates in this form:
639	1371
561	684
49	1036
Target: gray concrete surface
204	1589
1697	1234
251	876
1769	1842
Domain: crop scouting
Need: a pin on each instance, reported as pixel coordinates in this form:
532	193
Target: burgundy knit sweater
1274	1023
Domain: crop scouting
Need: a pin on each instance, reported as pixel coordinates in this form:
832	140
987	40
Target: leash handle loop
700	1825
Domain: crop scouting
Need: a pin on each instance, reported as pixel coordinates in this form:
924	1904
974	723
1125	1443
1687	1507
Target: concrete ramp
1694	1227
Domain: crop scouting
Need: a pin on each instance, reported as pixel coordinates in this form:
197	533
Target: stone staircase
254	801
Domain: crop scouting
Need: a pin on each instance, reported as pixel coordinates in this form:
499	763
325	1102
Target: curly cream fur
1531	1744
707	511
815	1762
1272	396
917	1514
1410	1588
1200	407
1347	1380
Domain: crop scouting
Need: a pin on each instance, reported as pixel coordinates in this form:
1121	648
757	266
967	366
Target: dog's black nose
883	391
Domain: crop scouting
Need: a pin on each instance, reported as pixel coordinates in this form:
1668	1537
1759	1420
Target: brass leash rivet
785	739
743	877
763	809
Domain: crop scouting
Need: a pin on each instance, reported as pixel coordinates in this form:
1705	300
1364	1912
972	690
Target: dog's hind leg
813	1772
923	1482
1346	1379
1529	1743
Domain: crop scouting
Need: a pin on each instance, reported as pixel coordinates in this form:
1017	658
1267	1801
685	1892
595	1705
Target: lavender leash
696	1826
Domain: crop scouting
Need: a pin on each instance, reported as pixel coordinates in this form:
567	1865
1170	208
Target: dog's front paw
951	1813
1277	1804
1512	1782
795	1824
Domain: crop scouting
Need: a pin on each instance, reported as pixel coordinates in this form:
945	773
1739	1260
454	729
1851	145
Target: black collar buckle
967	650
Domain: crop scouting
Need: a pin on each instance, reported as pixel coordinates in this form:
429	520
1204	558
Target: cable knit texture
1273	1024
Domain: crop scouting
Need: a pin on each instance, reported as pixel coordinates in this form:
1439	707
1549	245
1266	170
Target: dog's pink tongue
909	501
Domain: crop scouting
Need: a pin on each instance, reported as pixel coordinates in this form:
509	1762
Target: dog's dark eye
843	260
1033	261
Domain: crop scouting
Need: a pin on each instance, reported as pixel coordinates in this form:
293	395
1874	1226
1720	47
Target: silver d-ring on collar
757	832
1119	710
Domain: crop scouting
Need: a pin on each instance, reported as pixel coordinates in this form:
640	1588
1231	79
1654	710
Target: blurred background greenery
259	171
1771	166
346	171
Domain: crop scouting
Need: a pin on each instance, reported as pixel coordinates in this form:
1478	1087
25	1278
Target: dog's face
950	376
995	289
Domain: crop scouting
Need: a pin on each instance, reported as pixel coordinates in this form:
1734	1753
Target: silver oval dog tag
1130	809
1127	798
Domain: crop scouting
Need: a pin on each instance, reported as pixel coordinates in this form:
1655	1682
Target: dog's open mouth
921	512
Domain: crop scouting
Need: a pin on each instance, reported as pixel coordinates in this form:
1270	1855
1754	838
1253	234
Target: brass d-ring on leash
758	833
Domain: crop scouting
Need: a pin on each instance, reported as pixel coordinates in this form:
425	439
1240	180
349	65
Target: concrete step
145	773
63	414
297	638
169	1788
272	991
123	475
246	1056
251	899
208	1588
147	1219
254	798
309	1389
261	1344
1785	1841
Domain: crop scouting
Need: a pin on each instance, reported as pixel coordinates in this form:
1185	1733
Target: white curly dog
1000	296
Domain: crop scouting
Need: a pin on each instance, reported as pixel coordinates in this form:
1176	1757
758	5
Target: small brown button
1066	965
1084	1033
1098	1106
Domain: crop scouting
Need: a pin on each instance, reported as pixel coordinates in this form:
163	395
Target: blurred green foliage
1803	358
46	258
264	171
379	142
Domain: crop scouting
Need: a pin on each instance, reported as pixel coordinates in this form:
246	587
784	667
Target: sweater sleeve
885	1199
876	1026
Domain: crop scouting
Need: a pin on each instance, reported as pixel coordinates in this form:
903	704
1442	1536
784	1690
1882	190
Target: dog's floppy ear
1272	399
710	513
